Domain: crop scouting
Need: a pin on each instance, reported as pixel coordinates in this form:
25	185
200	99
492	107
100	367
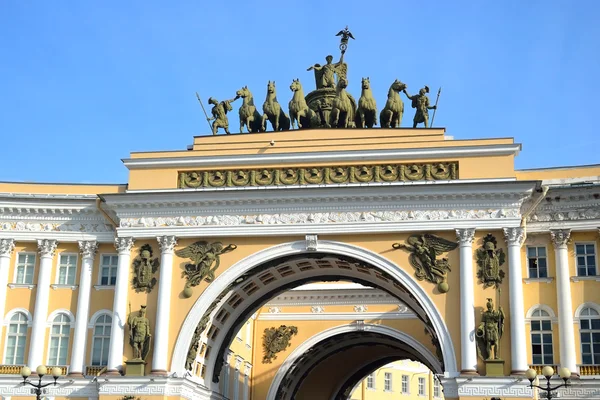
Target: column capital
88	248
238	362
228	356
514	236
167	243
560	237
124	244
247	368
7	246
465	236
47	247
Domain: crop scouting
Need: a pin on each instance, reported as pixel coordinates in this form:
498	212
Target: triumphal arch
294	259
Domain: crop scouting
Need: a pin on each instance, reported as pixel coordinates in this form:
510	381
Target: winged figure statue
205	260
424	251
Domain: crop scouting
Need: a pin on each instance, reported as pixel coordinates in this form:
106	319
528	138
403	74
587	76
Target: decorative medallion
205	261
144	268
319	175
276	340
424	251
490	259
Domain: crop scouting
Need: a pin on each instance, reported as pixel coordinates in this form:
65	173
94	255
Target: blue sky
85	83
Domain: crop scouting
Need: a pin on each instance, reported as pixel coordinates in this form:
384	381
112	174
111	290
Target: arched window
101	340
59	340
589	325
541	338
16	336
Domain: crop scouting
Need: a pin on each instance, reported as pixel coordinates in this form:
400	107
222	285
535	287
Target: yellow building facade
286	266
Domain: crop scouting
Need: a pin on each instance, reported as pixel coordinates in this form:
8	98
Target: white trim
335	248
21	285
57	274
97	315
538	280
35	267
104	287
328	333
332	286
55	313
99	285
340	316
332	297
551	315
328	156
585	305
595	278
10	314
57	286
586	242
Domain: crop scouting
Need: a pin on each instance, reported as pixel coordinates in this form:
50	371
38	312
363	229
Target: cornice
332	297
328	157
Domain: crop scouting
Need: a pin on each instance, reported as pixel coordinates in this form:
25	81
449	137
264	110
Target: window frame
69	323
537	265
58	266
589	330
8	321
422	385
586	255
437	388
540	319
92	326
371	376
16	273
101	258
388	382
406	381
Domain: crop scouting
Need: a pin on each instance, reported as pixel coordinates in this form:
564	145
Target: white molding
97	315
586	305
57	274
10	314
340	316
595	278
21	285
55	313
104	287
57	286
325	156
538	280
332	297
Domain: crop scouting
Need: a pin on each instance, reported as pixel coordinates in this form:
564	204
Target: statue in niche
144	268
421	103
489	260
489	332
139	333
276	340
424	251
205	260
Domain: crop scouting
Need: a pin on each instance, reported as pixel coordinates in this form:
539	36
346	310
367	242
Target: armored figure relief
424	251
489	260
139	333
325	74
421	103
489	332
276	340
219	114
205	260
144	268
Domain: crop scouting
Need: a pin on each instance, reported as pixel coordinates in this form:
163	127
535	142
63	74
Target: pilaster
518	351
560	239
46	249
161	342
88	252
115	353
467	300
7	247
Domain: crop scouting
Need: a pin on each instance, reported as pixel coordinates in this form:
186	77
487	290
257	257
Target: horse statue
367	108
249	116
391	115
342	111
300	113
273	112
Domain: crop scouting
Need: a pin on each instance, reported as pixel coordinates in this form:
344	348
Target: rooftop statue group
329	106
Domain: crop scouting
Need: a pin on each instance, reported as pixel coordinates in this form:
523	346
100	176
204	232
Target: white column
119	317
7	246
247	370
163	308
565	306
226	371
467	302
518	349
88	252
46	248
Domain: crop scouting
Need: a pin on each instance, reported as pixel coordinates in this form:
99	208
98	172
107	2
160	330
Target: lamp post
41	371
548	371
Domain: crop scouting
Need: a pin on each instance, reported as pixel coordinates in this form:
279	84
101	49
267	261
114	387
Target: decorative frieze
571	215
21	226
319	218
7	246
319	175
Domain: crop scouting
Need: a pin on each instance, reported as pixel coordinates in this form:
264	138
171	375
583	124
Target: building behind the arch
298	208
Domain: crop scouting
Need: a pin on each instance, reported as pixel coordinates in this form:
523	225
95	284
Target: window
436	388
67	266
25	266
101	340
59	340
541	338
536	260
387	382
15	340
421	386
371	381
405	384
108	270
586	259
589	324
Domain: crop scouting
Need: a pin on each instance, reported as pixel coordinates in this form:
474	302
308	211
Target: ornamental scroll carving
144	269
489	260
319	175
276	340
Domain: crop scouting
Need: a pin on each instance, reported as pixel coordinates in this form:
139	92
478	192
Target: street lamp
41	371
548	371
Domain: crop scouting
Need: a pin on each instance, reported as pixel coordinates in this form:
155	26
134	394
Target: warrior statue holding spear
421	103
219	112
